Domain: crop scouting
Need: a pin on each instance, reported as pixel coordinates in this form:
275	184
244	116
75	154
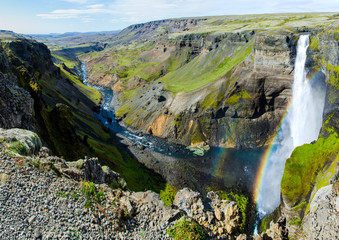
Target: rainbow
258	183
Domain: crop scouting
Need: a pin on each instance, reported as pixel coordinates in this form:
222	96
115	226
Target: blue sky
59	16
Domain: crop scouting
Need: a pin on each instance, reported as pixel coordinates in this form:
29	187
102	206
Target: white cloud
77	13
96	6
77	1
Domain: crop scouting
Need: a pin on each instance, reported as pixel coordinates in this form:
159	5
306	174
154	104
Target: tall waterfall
301	125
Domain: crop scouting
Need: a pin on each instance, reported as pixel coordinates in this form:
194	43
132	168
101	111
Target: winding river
107	117
218	169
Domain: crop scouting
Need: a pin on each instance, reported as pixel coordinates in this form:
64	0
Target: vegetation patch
90	92
188	229
18	148
314	43
205	69
296	221
92	195
234	99
242	202
303	165
168	194
74	195
69	63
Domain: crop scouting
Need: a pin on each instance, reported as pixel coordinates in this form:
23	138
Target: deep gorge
194	103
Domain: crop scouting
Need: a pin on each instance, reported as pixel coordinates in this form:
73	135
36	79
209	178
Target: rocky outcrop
20	141
322	220
63	109
89	169
41	189
16	105
219	216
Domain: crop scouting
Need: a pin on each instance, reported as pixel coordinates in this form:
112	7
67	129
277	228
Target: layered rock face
241	109
242	100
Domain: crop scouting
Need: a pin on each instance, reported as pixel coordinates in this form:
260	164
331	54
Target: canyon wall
228	89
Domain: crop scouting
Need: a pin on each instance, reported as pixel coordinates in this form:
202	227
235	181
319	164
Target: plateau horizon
44	17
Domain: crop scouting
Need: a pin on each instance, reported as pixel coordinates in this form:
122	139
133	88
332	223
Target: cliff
49	99
309	184
206	81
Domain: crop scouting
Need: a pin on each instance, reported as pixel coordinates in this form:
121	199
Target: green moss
187	229
213	99
314	43
296	221
300	206
168	194
265	223
127	105
301	168
18	148
334	75
242	203
197	136
234	99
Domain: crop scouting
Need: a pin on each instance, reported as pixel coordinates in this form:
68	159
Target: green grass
187	229
265	223
205	69
314	43
130	63
90	92
268	22
168	194
92	194
303	165
214	98
69	63
137	176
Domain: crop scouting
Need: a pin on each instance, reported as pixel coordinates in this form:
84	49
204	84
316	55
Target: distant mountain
69	39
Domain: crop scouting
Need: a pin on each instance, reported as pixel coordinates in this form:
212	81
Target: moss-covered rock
20	141
303	165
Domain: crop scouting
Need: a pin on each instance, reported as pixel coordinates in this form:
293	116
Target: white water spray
302	125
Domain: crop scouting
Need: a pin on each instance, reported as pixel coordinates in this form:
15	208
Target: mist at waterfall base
301	125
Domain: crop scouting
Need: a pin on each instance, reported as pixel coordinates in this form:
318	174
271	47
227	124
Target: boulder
94	172
189	201
21	141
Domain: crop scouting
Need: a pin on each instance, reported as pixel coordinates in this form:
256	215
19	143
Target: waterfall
301	125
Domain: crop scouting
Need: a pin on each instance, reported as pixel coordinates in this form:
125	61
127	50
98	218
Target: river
218	169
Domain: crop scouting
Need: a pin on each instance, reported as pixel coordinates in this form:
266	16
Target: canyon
198	102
